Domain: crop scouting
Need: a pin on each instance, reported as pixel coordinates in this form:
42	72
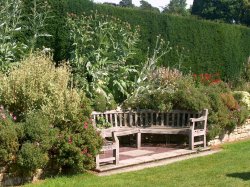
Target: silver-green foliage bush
36	84
54	119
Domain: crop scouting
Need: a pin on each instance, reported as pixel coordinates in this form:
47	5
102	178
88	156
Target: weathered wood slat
178	119
156	118
188	123
120	119
151	119
116	120
125	115
162	119
167	120
199	132
111	119
199	143
146	119
183	119
141	119
136	119
130	119
164	130
107	159
173	119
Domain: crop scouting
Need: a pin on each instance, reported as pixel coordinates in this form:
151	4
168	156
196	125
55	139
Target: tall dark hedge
210	47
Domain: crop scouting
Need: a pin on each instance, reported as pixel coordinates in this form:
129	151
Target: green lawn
231	167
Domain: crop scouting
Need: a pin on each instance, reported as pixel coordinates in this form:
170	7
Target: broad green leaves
102	47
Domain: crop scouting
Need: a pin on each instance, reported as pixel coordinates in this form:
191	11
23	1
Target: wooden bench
190	123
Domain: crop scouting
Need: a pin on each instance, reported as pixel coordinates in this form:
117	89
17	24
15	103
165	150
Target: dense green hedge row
213	47
209	47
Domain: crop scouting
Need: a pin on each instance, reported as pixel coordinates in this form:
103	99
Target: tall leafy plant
154	84
102	48
21	24
10	25
36	16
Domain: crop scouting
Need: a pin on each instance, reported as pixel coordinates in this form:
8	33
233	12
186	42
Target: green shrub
155	85
39	129
31	157
8	137
102	123
50	114
225	113
101	104
188	96
36	84
75	149
242	97
229	101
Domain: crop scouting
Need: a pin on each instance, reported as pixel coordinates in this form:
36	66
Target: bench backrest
146	118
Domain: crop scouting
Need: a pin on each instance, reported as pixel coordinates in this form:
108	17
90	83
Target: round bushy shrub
31	157
9	135
189	97
50	111
36	84
184	92
242	97
101	103
38	137
156	88
39	129
75	148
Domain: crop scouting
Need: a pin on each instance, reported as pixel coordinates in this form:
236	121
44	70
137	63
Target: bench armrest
203	118
193	120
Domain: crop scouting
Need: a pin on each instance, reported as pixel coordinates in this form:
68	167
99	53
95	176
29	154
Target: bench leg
205	141
97	161
116	153
138	144
191	140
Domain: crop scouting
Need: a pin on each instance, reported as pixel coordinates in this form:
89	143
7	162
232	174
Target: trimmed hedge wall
210	47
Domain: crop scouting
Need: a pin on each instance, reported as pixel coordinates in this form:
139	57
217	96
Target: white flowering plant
243	97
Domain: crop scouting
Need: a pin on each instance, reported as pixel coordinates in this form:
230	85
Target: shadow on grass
244	175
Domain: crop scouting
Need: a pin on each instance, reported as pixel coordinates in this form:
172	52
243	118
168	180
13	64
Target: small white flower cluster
245	98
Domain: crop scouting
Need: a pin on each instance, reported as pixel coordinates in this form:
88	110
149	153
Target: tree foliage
230	11
176	7
147	6
126	3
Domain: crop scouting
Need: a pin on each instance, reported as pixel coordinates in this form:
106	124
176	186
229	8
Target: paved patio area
130	156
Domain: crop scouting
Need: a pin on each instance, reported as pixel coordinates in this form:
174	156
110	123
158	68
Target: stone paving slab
136	153
148	158
155	163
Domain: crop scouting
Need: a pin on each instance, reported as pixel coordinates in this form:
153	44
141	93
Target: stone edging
239	133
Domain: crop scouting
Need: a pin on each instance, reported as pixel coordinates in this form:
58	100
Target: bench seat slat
107	159
165	130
